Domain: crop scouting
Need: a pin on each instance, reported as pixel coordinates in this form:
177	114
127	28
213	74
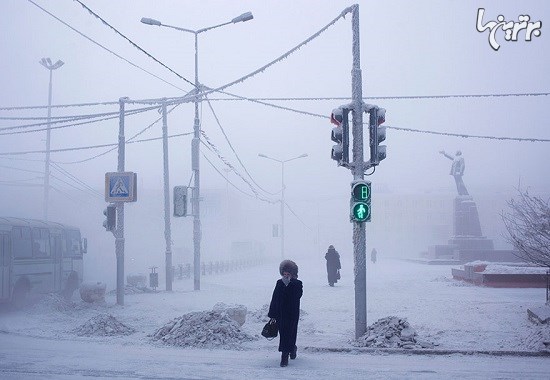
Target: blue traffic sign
121	187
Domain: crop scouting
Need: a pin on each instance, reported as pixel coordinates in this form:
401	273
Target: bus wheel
72	285
19	298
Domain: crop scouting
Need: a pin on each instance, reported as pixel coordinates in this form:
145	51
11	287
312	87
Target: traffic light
180	201
360	205
377	134
110	218
340	135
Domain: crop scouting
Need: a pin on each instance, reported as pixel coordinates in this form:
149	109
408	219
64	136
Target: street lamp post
282	162
195	194
47	63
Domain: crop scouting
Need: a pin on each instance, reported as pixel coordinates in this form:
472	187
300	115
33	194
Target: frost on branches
528	224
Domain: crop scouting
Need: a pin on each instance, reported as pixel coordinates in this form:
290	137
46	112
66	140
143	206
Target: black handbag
270	330
338	274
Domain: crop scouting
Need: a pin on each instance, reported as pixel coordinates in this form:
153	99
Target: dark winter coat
333	265
285	308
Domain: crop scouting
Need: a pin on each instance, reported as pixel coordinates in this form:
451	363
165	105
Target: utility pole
359	233
47	63
167	229
119	235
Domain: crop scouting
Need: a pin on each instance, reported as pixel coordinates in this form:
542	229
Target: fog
421	48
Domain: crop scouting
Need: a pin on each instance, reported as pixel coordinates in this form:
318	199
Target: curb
402	351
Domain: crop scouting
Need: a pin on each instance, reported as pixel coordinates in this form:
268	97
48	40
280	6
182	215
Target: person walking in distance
333	265
285	309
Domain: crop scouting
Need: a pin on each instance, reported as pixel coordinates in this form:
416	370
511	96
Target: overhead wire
132	42
103	47
107	115
234	151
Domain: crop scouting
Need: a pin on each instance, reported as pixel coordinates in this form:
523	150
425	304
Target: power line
132	42
399	97
234	151
87	147
470	136
103	47
80	117
127	141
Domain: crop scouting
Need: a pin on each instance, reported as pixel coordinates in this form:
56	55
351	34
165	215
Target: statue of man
457	170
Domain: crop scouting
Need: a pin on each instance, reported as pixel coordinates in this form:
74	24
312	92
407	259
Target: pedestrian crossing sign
121	187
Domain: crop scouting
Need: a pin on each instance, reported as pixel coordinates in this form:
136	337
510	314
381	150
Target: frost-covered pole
195	142
119	236
167	232
359	234
282	210
47	63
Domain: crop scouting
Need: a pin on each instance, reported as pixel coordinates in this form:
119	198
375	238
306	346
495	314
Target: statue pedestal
468	243
465	217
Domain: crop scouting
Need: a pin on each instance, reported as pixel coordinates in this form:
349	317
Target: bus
38	257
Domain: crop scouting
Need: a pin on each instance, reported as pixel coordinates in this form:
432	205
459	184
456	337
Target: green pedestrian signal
360	201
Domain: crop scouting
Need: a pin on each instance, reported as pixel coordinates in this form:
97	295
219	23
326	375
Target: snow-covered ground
443	313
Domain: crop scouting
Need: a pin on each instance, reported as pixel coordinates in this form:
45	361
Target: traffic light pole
359	233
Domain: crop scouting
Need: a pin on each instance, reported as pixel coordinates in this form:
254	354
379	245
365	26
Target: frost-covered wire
75	179
103	47
115	145
210	146
529	139
77	118
133	43
347	98
297	217
276	106
277	60
224	177
234	151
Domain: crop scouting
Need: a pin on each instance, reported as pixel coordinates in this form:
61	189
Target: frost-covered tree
527	222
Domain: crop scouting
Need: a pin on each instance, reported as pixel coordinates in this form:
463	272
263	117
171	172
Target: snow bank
391	332
235	312
92	291
203	329
103	325
53	302
133	289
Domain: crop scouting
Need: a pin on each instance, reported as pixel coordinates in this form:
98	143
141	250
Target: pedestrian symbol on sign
119	189
361	211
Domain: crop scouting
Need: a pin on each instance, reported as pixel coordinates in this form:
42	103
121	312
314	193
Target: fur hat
290	267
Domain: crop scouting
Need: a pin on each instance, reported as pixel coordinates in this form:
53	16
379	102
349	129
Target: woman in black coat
285	309
333	265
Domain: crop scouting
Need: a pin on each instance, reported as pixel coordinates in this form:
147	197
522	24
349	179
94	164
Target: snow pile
538	338
506	269
133	289
203	329
235	312
391	332
54	302
92	291
103	325
260	315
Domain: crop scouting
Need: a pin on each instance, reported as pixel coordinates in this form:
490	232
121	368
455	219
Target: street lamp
195	194
47	63
282	162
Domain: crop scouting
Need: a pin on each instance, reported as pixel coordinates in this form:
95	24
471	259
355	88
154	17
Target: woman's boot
284	359
293	353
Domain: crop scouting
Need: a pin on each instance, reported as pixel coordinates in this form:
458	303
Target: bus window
41	242
73	243
21	242
6	250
